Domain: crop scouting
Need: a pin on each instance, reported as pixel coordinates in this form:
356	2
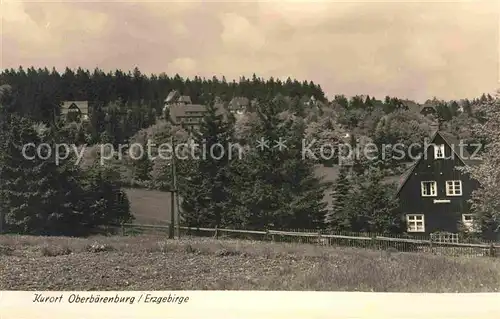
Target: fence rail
372	241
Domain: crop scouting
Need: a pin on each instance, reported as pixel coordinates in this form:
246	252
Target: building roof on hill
239	101
183	110
192	110
184	99
428	105
82	106
172	96
412	106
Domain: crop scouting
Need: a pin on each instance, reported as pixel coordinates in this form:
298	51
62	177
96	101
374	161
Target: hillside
152	263
153	207
149	206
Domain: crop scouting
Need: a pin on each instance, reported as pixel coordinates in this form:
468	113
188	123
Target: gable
72	106
455	155
427	109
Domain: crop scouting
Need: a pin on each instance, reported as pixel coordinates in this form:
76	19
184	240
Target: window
468	221
415	223
453	188
438	151
428	188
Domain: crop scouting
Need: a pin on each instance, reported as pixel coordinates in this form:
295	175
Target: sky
415	50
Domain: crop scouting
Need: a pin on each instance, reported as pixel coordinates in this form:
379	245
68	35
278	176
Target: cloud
238	33
182	66
415	50
40	26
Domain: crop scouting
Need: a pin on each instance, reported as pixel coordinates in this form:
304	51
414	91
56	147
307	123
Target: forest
267	188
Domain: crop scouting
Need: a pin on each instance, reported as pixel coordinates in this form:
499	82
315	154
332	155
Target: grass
153	207
149	206
154	263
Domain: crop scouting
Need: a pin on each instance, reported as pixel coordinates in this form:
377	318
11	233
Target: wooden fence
357	240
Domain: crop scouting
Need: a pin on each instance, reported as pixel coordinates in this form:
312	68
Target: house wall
437	216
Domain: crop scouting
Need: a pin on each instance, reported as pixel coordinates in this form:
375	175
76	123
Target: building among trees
434	192
75	111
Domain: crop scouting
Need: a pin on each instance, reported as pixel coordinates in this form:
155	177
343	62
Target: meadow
154	263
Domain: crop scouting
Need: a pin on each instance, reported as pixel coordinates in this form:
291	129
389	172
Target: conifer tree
336	216
204	181
39	197
142	164
274	185
374	206
5	104
105	202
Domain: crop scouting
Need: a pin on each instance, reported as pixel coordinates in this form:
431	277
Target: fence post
492	250
319	238
122	226
430	245
216	233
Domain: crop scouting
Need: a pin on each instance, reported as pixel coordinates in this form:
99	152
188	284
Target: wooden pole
177	215
172	193
175	197
1	219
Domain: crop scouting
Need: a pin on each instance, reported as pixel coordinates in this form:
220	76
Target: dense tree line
40	91
43	197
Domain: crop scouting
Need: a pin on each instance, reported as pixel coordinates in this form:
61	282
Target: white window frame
451	187
411	223
469	224
433	189
438	151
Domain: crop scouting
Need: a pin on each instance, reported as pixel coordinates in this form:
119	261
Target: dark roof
184	99
239	101
426	106
404	177
454	143
412	106
83	106
172	96
415	107
181	110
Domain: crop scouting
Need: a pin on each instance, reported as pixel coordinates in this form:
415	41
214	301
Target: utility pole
175	197
2	218
172	192
177	213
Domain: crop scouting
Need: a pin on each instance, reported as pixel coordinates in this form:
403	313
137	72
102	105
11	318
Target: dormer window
438	151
